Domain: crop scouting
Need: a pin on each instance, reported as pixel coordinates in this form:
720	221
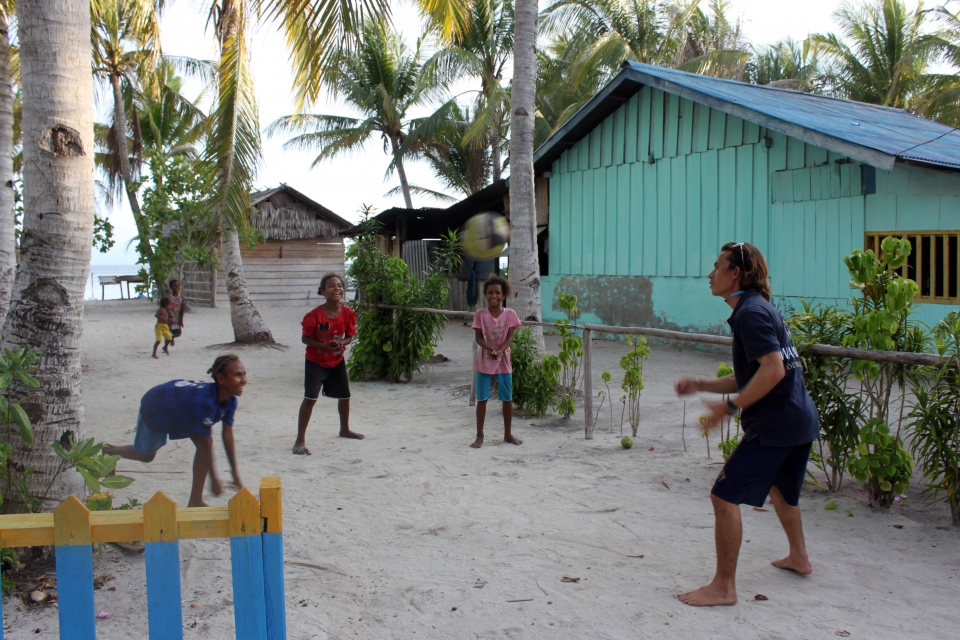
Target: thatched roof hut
283	213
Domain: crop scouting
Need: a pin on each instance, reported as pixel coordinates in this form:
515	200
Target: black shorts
333	381
753	469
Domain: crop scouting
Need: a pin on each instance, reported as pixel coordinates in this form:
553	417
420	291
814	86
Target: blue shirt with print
786	416
182	408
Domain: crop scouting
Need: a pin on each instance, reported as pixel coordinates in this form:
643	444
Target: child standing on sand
162	330
176	310
494	327
327	330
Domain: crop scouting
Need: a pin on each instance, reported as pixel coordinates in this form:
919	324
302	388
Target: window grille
934	262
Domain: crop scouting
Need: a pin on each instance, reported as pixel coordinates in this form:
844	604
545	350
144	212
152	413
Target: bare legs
202	466
306	411
798	560
728	533
507	424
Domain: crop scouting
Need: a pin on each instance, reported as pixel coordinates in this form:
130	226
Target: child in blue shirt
188	409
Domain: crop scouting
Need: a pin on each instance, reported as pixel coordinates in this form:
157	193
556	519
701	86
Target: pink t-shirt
494	331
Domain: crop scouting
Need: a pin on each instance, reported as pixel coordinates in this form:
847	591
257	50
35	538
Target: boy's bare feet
165	351
512	440
198	504
351	434
300	449
477	443
801	566
216	487
155	357
712	595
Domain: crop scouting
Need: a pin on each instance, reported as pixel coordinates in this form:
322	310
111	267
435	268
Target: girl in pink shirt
494	327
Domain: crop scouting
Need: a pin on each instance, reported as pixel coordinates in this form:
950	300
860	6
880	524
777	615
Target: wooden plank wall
196	284
288	272
711	180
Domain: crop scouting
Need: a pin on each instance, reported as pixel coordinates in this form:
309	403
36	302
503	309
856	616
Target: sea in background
110	291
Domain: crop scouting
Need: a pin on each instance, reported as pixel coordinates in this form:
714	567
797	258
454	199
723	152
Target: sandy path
410	522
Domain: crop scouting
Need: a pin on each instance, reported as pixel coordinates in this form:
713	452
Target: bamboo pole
587	386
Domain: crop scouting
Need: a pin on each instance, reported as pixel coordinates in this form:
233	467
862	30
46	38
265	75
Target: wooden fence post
587	386
162	550
271	510
71	535
246	558
213	287
473	377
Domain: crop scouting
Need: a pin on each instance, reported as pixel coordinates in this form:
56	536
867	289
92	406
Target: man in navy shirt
779	420
188	409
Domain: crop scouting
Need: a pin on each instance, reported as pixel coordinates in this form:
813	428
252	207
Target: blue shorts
753	469
146	441
504	386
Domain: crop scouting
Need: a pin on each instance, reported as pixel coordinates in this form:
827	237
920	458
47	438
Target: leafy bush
393	343
632	365
936	421
881	463
16	366
826	378
571	357
727	442
534	384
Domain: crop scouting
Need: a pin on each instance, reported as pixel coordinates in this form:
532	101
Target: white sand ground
411	524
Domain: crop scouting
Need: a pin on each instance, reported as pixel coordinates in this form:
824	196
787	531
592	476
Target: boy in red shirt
327	330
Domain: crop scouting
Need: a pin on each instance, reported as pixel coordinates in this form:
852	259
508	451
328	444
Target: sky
344	184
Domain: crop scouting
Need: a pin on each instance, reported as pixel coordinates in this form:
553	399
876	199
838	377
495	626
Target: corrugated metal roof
868	133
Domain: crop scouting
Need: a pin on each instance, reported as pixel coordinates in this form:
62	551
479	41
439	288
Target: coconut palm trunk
401	173
524	262
126	172
47	308
236	133
7	241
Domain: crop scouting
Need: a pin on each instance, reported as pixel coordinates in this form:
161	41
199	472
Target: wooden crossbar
36	529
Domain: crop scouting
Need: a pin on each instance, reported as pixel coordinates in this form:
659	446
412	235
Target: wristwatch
732	409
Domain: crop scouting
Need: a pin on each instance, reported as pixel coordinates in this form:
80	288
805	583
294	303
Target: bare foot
351	434
155	357
477	443
173	343
198	504
300	449
709	596
216	487
165	351
512	440
801	566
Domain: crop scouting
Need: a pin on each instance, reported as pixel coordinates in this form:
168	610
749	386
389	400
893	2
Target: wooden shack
303	243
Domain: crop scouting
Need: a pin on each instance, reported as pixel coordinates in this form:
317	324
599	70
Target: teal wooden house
662	167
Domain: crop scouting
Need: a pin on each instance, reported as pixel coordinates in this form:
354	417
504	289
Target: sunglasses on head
743	259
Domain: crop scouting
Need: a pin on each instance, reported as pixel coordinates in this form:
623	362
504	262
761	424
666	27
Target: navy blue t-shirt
182	408
786	416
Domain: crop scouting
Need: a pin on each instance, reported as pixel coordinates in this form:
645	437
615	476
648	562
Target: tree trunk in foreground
524	262
7	242
402	173
47	308
248	326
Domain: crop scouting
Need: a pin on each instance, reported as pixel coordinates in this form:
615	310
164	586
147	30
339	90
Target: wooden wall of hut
457	298
197	284
286	273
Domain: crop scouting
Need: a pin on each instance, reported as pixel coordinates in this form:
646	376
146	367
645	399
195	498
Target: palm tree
559	93
524	261
126	47
314	29
461	166
482	50
942	102
713	44
883	54
47	309
788	64
7	242
382	80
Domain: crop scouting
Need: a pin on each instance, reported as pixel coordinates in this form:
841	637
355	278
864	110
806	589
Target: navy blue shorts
753	469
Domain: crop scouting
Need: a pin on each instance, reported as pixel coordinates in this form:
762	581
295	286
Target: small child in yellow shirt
162	330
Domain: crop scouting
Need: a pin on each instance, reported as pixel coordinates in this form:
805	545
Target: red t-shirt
322	328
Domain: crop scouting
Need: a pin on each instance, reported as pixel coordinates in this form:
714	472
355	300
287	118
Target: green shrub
392	343
826	378
936	421
881	463
632	365
570	357
534	384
